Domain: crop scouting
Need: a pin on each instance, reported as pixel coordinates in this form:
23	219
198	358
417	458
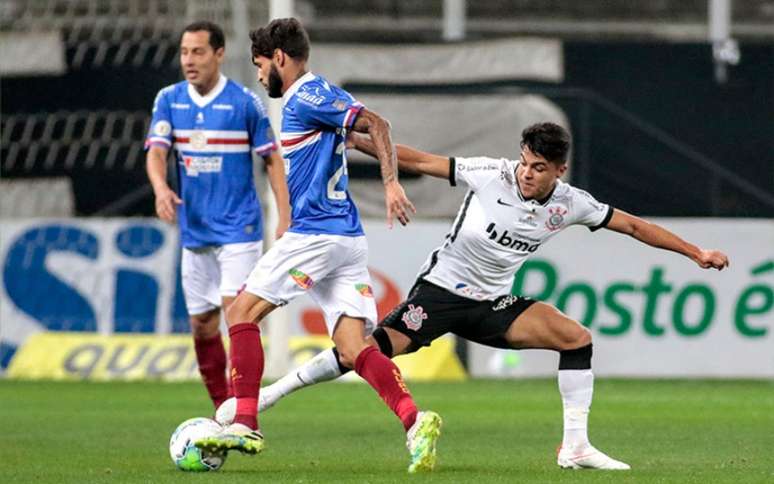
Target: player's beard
274	89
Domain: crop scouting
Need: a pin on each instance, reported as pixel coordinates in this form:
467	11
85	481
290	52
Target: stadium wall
652	313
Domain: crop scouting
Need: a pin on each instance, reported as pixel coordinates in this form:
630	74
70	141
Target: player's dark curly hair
548	140
286	34
217	39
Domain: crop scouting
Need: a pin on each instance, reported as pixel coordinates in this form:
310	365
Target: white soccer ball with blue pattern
186	455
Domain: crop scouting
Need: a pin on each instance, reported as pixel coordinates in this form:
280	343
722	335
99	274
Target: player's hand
398	204
282	227
712	259
166	200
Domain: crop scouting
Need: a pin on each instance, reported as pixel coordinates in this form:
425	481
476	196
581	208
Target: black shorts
431	311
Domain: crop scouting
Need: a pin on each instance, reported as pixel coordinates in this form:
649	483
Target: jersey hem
361	233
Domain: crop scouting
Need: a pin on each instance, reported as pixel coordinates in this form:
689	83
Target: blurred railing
56	143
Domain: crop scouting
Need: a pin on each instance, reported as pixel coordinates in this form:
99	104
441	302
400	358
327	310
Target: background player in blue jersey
214	126
324	253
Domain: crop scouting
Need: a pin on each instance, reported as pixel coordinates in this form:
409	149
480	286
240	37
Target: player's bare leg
422	428
543	326
246	372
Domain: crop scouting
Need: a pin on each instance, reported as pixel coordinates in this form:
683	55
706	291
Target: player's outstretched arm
409	159
378	129
166	198
657	236
275	168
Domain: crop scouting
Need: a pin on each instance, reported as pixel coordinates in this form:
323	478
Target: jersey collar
202	101
541	201
294	87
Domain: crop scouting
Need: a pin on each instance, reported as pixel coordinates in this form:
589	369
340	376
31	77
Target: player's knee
347	356
235	314
574	336
205	326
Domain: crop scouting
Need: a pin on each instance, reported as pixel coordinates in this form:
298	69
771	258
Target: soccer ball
186	455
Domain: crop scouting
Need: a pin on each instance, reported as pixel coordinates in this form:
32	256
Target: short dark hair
285	34
548	140
217	39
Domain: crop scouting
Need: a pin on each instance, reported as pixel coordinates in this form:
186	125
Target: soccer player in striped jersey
214	126
511	209
324	254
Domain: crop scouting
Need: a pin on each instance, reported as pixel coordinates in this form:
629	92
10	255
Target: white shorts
211	273
333	269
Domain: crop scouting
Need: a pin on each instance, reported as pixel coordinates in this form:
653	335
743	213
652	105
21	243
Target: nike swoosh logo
500	201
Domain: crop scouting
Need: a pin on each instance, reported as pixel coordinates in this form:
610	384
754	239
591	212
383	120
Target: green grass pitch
494	431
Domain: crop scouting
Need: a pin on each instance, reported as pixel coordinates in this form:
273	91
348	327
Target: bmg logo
510	240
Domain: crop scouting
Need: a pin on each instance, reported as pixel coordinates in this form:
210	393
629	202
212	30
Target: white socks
577	388
323	367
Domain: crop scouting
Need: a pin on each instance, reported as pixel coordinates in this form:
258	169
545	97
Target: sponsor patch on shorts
303	280
365	290
505	302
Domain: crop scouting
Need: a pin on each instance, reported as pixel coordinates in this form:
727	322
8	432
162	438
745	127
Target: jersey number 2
334	194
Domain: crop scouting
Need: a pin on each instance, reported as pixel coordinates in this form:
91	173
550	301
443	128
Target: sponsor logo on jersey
310	98
528	220
556	219
365	290
202	164
508	176
162	128
510	240
413	317
224	107
505	302
500	201
490	166
180	105
199	118
303	280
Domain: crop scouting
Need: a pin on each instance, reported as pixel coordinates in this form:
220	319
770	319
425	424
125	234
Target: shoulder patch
162	128
340	104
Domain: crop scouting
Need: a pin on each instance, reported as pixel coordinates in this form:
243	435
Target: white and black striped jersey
497	229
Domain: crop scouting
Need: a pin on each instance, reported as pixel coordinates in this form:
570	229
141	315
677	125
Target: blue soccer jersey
316	117
213	137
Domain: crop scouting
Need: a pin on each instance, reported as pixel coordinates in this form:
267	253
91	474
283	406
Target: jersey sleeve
259	127
328	109
589	212
160	131
474	172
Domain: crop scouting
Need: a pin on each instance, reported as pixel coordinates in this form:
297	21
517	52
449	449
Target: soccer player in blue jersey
324	253
214	126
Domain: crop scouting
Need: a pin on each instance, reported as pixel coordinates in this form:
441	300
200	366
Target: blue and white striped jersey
213	137
315	119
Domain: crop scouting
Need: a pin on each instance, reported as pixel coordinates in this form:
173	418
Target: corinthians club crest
413	317
556	218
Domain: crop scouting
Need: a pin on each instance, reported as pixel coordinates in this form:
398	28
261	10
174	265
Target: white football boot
226	412
587	457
